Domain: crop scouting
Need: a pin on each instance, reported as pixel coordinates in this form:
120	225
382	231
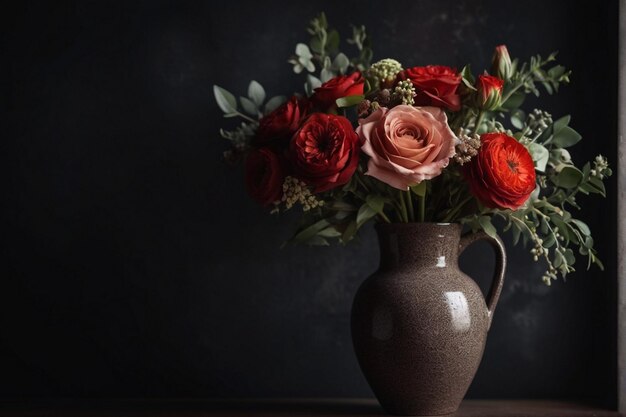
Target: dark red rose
278	127
435	85
489	90
502	175
265	174
341	86
324	153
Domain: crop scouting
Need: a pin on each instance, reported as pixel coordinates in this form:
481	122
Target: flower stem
384	217
403	213
243	116
479	120
451	216
423	207
361	182
410	205
510	93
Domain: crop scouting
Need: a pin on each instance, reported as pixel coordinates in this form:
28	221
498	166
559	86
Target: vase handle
498	277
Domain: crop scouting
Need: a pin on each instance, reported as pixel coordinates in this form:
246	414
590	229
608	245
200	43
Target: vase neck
418	244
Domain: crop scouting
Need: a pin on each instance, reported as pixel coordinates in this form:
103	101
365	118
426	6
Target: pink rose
406	144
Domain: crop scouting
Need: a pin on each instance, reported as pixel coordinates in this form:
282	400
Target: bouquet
416	144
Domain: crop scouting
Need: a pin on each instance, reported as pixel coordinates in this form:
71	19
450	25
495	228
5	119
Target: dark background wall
133	262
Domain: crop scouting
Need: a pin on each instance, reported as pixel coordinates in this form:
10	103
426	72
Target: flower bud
489	92
501	63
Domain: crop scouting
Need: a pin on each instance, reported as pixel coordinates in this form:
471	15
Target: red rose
279	126
502	175
325	151
341	86
435	85
265	174
489	91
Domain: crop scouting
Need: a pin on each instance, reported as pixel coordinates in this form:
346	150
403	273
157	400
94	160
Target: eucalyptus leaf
327	63
326	74
549	241
582	226
225	100
249	107
558	259
332	41
274	103
561	123
309	66
548	87
516	232
468	78
376	202
569	257
316	44
597	183
561	155
314	81
514	101
303	51
341	62
317	241
568	177
341	206
365	213
556	72
330	231
540	155
566	137
349	233
485	224
563	229
419	189
256	93
349	101
310	231
517	118
341	215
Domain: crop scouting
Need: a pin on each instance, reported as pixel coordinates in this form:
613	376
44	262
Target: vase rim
417	226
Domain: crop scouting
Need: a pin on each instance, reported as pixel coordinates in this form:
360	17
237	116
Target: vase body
419	324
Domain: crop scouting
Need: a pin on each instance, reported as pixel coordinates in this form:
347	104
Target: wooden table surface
283	408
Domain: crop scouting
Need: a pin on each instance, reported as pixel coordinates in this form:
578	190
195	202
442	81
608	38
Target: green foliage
253	108
323	54
546	223
349	101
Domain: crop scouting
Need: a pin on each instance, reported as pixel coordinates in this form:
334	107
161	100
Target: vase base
419	414
424	415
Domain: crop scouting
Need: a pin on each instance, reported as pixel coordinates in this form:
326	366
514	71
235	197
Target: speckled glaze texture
419	324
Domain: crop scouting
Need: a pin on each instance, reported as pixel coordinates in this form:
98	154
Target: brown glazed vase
419	324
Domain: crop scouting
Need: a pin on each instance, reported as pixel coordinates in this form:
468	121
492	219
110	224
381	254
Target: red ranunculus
435	85
265	174
324	153
502	175
341	86
278	127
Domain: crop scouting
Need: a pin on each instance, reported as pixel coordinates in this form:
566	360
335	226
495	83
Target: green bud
501	63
